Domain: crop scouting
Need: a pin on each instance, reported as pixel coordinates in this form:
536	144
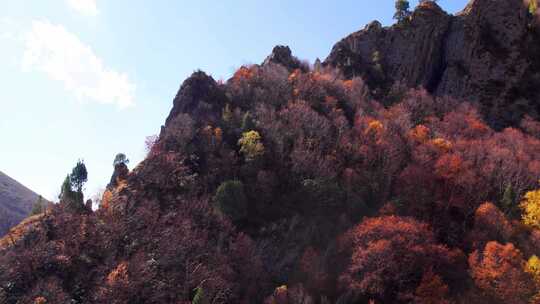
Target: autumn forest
297	183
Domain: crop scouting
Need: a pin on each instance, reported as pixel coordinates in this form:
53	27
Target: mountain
16	201
291	184
488	54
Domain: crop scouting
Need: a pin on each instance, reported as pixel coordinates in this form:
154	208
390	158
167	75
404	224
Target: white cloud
63	57
7	26
86	7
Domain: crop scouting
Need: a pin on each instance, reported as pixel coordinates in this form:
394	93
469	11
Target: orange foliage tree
498	270
490	224
391	254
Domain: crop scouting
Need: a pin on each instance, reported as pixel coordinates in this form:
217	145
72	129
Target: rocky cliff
488	53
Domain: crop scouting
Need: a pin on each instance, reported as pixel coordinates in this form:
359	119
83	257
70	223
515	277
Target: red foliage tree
531	126
432	290
490	224
391	254
285	295
499	271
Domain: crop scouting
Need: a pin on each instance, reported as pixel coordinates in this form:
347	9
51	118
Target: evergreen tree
120	158
508	199
65	189
39	206
79	176
231	199
71	193
402	10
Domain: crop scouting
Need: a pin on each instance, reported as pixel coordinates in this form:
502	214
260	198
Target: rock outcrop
282	55
199	96
117	183
484	54
120	174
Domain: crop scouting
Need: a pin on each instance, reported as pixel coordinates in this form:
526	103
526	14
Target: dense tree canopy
286	185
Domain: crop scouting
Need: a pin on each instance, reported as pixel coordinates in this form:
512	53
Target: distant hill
16	201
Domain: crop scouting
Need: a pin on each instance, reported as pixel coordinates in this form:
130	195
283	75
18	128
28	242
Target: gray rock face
484	54
199	96
282	55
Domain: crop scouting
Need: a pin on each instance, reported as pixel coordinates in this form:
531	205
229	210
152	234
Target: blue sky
91	78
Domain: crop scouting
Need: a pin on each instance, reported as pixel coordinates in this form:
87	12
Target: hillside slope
16	201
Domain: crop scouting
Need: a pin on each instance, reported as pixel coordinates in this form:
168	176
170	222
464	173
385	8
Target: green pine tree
71	192
231	200
78	176
508	200
65	190
38	207
402	10
120	158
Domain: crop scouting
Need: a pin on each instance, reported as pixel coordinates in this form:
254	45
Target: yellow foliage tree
251	145
533	267
533	6
531	209
442	144
374	127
